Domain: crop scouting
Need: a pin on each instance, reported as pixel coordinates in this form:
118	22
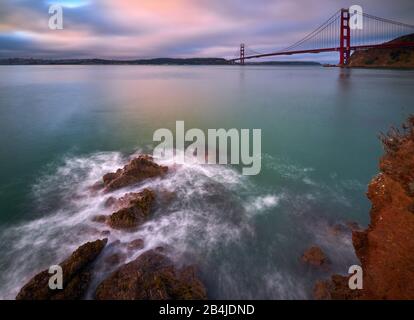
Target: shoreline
149	62
385	247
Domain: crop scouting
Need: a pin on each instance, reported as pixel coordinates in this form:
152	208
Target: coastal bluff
385	249
385	58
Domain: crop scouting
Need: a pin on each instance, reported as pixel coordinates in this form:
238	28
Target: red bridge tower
242	54
345	39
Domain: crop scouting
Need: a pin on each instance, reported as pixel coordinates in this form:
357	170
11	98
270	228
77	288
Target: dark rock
321	290
76	276
359	240
137	211
139	169
109	177
340	289
152	276
99	218
110	202
125	201
336	288
314	256
136	244
115	259
411	189
96	186
160	249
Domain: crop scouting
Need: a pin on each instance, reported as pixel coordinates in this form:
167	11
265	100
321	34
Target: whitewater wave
206	211
205	214
263	203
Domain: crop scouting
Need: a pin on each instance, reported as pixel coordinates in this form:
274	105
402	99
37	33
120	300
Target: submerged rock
166	197
152	276
136	244
138	207
314	256
76	276
139	169
341	229
101	218
105	232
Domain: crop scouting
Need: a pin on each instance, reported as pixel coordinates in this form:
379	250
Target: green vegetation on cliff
385	58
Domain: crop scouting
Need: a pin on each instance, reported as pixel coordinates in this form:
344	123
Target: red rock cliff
386	248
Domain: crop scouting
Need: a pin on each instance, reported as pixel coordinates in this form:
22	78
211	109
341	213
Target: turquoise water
62	127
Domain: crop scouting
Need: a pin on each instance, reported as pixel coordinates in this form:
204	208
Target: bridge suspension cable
335	34
327	25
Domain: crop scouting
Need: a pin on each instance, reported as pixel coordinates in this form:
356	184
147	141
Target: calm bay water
63	127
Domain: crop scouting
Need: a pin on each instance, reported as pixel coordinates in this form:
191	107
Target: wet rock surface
115	259
314	256
336	288
100	218
139	169
136	211
136	244
76	276
152	276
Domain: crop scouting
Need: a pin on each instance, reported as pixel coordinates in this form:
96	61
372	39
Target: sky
131	29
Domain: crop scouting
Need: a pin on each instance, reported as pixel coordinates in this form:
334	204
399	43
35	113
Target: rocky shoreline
150	276
385	249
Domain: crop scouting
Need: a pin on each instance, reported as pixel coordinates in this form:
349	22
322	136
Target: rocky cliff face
386	248
385	58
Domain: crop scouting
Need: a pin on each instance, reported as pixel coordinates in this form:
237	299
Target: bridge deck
333	49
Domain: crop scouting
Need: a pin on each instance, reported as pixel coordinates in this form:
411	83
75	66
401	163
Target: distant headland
154	61
399	58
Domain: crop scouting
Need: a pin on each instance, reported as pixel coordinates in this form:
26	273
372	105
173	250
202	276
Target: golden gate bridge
337	35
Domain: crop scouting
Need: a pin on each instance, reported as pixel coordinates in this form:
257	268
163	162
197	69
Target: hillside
385	58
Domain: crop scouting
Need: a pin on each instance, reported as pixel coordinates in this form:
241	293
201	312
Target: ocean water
63	127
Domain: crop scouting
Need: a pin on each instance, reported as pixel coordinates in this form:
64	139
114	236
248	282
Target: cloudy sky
175	28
